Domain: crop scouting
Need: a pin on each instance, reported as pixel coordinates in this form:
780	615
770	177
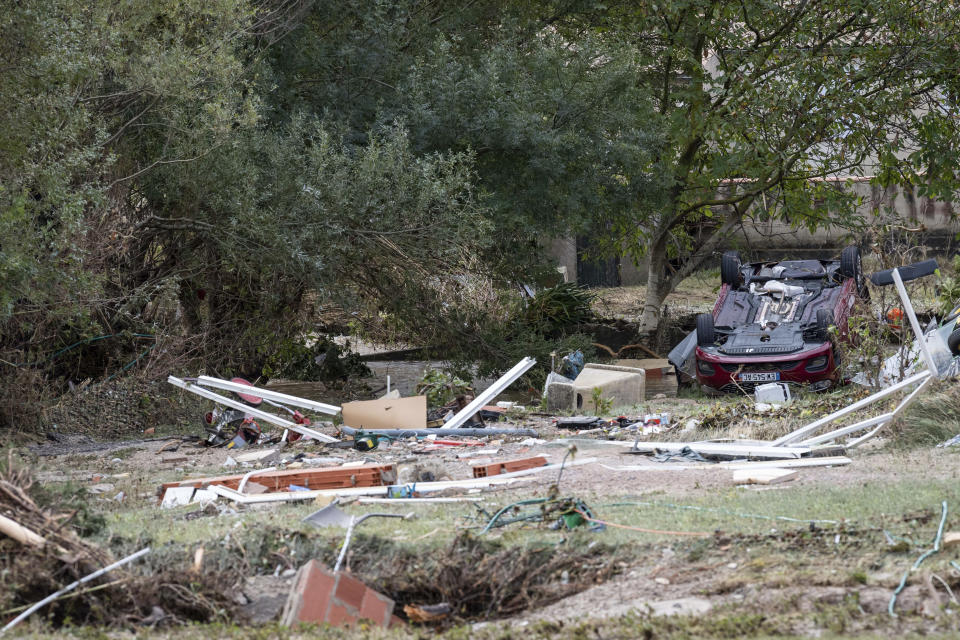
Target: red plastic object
246	397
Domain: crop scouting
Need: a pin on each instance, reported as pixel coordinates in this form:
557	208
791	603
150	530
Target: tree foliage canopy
213	171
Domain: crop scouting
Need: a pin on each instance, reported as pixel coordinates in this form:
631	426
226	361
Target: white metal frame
267	394
923	378
253	411
880	395
484	397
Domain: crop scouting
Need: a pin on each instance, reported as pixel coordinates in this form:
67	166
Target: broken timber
763	476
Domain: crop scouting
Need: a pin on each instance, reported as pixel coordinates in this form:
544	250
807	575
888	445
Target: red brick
376	607
350	591
496	468
340	616
318	595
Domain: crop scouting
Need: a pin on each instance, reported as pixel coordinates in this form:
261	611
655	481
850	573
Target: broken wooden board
763	476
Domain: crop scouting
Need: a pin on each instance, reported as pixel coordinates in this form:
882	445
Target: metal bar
267	394
257	413
354	523
725	449
255	472
853	428
914	323
816	424
74	585
900	408
484	397
420	433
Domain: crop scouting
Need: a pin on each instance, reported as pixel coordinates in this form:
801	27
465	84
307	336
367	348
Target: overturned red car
772	320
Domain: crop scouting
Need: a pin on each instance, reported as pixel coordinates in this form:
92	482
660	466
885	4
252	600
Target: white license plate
759	377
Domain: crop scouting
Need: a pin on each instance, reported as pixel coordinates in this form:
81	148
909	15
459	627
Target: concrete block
561	396
624	385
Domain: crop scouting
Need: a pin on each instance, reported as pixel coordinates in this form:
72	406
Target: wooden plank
268	394
763	476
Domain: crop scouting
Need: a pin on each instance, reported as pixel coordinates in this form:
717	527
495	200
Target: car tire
730	268
824	322
954	342
705	333
851	266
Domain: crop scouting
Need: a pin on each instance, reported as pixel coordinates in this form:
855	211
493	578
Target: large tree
759	100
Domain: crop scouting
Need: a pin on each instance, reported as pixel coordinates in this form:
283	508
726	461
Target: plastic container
773	393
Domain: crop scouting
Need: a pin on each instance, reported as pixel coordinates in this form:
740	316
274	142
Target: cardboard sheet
387	413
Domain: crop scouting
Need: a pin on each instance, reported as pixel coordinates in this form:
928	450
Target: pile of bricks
318	595
370	475
496	468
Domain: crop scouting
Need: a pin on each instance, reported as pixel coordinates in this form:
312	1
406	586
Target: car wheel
824	322
954	342
705	333
730	268
851	266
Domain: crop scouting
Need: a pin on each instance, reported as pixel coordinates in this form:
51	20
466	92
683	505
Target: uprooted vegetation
60	556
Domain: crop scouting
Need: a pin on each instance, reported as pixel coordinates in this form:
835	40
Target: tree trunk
658	286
